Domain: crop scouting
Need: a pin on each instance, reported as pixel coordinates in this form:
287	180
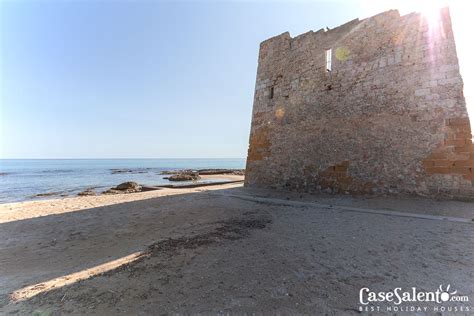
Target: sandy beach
225	248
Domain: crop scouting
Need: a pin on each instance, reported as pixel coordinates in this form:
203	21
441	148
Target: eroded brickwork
390	116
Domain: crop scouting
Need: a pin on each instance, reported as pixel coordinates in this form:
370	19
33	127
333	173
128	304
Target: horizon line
120	158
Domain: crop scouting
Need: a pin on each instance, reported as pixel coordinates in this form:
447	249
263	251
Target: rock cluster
175	175
46	194
185	176
239	172
126	187
192	175
132	171
87	192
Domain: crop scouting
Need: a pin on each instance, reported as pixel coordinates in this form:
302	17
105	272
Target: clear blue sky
99	79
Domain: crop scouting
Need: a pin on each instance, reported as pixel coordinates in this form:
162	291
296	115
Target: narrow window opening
271	93
329	60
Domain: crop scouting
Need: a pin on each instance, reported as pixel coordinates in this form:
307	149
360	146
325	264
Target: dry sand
224	248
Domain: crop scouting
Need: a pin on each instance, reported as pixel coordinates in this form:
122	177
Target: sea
30	179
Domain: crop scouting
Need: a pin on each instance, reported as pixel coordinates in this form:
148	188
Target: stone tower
372	106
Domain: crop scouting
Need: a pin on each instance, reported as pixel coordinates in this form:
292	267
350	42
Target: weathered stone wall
389	118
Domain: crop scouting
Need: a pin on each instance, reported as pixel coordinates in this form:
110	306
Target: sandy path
225	253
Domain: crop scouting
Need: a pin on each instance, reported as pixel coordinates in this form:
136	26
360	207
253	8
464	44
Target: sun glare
462	22
432	16
460	11
429	10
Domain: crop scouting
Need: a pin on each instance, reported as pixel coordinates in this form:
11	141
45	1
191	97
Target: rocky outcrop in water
132	171
239	172
189	176
130	185
46	194
87	192
126	187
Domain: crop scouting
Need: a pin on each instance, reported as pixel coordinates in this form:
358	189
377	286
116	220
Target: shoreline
208	177
20	210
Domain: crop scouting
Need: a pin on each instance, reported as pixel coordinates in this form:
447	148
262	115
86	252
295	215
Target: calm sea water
22	179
